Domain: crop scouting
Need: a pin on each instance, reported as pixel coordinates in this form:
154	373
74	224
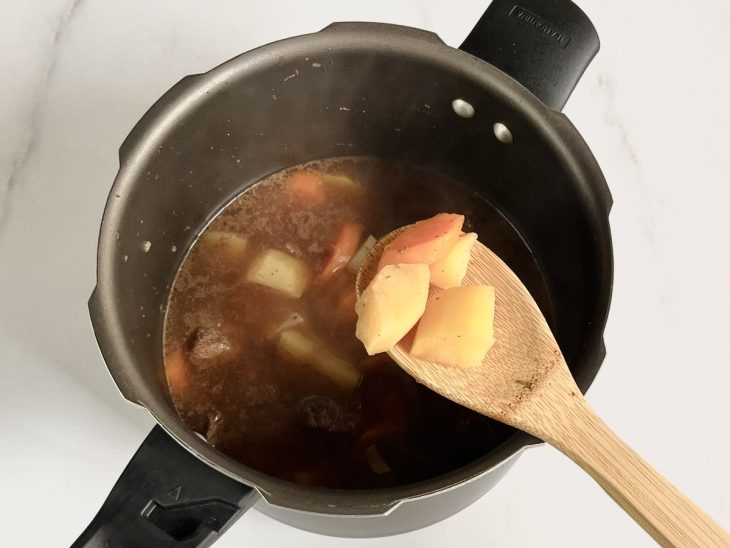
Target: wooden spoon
524	381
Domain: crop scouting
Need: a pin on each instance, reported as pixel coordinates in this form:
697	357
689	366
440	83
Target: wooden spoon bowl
524	381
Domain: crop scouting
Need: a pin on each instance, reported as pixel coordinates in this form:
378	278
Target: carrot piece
176	371
307	185
342	249
375	460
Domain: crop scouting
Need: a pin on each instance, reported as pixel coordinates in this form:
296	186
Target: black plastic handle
166	498
545	45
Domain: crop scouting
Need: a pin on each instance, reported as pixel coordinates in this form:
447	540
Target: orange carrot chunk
176	370
342	249
307	185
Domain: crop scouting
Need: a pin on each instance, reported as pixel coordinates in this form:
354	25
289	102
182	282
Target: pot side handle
166	497
545	45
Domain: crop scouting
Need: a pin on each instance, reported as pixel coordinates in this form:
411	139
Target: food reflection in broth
274	376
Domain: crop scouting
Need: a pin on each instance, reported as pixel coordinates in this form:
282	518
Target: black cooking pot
486	115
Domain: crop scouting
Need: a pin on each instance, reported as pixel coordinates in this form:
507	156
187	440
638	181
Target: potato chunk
340	181
424	242
391	305
229	245
279	271
449	270
457	327
309	351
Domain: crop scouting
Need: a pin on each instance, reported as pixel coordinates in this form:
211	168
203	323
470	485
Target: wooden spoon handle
654	503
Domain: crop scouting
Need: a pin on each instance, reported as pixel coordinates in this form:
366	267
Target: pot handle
167	497
545	45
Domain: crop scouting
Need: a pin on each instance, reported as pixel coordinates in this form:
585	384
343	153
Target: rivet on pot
462	108
502	133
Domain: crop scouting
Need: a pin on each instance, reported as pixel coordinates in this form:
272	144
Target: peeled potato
391	305
229	245
449	270
309	351
423	242
340	181
456	328
280	271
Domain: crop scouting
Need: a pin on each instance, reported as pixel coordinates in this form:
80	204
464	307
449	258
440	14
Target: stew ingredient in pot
260	350
453	325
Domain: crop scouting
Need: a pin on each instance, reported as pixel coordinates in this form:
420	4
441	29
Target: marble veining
614	119
11	172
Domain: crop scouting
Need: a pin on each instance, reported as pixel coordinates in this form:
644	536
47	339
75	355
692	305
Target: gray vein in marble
25	149
614	120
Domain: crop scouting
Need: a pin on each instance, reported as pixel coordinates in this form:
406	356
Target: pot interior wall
269	111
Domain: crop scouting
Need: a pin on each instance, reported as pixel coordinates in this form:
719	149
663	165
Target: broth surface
230	380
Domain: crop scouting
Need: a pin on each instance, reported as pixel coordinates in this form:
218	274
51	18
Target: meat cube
209	346
318	412
321	413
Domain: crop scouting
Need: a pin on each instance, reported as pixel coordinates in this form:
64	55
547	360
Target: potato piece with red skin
423	242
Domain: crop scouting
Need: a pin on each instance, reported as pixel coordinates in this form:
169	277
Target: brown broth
230	382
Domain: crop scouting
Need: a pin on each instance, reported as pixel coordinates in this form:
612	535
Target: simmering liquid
231	382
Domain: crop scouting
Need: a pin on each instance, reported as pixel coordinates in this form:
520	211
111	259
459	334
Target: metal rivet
502	133
462	108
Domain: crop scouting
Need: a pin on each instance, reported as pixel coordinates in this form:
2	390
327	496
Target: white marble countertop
77	75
